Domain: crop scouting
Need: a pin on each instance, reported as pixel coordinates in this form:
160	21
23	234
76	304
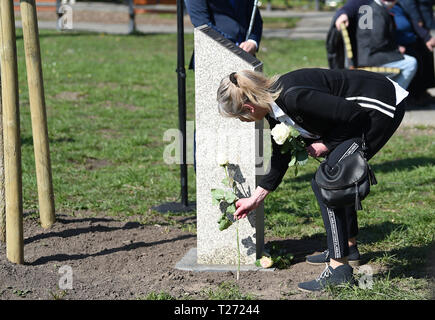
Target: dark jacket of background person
413	37
335	48
378	46
405	34
419	10
413	15
351	9
326	112
231	22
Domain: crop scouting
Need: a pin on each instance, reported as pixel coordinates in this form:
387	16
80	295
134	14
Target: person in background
411	37
231	18
377	46
420	11
348	14
414	38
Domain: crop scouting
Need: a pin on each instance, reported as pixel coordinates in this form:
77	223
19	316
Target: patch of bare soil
112	259
94	163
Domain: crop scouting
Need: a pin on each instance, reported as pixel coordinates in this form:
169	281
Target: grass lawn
111	98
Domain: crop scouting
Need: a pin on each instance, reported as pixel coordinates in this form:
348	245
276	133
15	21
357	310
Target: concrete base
188	263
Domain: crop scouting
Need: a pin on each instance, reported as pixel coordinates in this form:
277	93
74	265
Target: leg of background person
416	86
425	75
408	67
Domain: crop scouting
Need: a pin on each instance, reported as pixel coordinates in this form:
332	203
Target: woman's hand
246	205
317	149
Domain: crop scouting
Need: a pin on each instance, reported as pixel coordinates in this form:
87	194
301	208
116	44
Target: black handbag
347	182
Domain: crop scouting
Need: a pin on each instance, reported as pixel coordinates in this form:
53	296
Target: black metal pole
184	205
131	14
59	15
181	72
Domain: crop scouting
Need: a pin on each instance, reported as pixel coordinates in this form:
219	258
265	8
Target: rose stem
238	251
237	227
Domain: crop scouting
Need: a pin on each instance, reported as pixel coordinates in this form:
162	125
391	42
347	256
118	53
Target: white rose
266	262
221	159
280	133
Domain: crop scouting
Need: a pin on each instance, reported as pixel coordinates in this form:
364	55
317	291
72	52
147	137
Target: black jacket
316	100
377	46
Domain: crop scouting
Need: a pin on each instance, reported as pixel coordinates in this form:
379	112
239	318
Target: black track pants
341	223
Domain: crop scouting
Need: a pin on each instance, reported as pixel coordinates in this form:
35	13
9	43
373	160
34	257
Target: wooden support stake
11	135
38	113
2	181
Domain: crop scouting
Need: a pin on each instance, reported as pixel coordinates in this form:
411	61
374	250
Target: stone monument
242	144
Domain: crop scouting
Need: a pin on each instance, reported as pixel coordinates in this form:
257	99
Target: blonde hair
246	86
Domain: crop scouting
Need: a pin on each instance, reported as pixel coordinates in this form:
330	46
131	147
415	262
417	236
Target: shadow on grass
409	261
402	164
384	167
317	242
28	140
299	248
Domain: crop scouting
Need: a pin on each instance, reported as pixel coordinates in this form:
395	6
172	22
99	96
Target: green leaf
292	162
231	209
257	263
218	194
225	181
301	142
230	197
286	147
224	223
294	133
222	218
214	201
302	157
283	262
